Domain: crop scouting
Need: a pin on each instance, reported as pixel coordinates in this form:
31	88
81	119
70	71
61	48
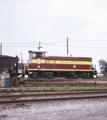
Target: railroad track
58	81
51	96
66	83
61	80
18	90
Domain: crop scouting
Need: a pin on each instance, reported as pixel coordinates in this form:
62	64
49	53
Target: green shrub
105	75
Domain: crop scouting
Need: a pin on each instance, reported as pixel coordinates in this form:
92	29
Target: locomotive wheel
69	76
49	75
35	75
74	76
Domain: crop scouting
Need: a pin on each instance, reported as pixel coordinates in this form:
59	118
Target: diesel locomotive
57	66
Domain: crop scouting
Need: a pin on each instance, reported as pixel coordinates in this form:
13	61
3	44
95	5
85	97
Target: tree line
103	67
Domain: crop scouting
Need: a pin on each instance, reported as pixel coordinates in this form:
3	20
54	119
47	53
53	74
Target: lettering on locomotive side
51	61
43	61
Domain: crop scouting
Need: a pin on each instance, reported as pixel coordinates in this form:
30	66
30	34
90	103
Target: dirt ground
88	109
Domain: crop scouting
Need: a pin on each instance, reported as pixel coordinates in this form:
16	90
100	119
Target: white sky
26	22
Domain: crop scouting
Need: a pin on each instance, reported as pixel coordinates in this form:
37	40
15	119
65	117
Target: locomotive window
43	54
34	55
30	56
38	54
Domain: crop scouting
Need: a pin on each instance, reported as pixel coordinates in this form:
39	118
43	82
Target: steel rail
66	83
64	79
53	94
62	98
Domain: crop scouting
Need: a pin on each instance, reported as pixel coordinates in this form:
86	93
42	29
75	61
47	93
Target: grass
20	105
102	77
13	99
43	87
8	89
3	99
16	89
67	88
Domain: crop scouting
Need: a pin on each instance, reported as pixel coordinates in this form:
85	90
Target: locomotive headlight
25	76
94	76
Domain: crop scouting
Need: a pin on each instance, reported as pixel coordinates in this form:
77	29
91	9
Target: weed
12	98
3	99
20	105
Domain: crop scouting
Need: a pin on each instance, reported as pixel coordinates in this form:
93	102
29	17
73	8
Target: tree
103	66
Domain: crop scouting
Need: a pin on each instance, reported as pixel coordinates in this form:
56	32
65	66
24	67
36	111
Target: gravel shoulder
94	109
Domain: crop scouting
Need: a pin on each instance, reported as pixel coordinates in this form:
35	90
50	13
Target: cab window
34	55
38	54
43	54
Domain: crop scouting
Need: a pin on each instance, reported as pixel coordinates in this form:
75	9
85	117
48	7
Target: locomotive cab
35	55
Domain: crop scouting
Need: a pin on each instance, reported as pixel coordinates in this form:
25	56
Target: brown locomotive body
54	66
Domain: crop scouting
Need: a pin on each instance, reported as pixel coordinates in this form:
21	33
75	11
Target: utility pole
67	46
39	46
1	49
21	58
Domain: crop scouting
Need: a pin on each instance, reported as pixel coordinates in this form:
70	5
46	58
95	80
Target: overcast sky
23	23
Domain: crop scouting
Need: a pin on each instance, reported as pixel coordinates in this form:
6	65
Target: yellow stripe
59	70
35	61
63	62
73	62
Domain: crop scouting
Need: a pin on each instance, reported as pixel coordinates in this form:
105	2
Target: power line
87	47
18	43
78	46
19	46
58	41
53	41
87	40
56	45
34	42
